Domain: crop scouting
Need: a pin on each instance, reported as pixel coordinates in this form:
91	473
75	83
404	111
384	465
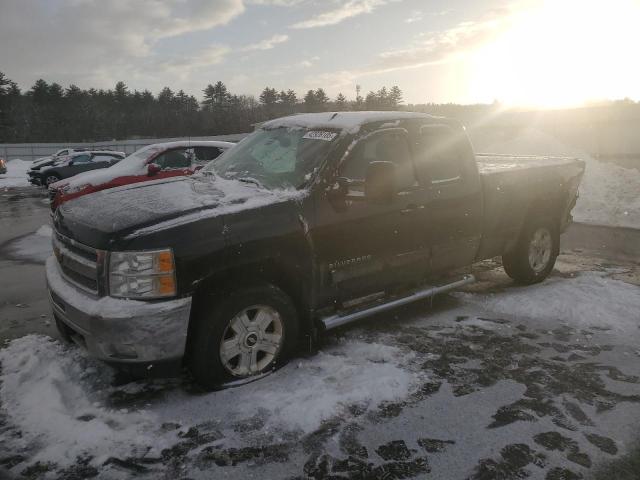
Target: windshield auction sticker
318	135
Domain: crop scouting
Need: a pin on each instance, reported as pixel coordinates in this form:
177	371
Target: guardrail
32	151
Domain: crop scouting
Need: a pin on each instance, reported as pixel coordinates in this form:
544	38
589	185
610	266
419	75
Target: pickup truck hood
98	218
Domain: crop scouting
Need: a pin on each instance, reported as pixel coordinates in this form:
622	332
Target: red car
160	160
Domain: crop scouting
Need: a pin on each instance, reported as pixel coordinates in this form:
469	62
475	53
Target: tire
534	256
229	340
51	178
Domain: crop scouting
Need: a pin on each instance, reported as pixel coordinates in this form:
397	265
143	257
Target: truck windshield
276	157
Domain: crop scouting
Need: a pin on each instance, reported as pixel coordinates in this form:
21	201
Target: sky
521	52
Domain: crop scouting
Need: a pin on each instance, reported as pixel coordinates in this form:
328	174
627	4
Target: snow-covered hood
43	163
143	207
41	160
92	177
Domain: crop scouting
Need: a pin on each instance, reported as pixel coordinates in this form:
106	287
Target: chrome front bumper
118	330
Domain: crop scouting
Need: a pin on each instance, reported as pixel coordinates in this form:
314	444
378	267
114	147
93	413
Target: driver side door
366	249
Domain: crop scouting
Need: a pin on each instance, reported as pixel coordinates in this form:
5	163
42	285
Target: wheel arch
281	275
544	205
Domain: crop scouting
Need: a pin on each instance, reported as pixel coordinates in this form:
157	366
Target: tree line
47	112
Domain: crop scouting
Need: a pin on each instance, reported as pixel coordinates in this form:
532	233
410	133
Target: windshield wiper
251	180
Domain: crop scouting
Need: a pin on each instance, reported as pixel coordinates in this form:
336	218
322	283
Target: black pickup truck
311	222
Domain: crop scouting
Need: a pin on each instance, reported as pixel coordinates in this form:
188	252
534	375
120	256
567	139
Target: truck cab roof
350	122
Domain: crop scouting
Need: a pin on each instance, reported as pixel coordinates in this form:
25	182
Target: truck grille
80	264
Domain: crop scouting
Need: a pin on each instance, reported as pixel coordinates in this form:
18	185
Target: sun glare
562	53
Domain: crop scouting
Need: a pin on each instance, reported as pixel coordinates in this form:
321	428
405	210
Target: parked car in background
3	166
75	163
34	171
153	162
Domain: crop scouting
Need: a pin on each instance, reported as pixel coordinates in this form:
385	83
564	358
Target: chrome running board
338	320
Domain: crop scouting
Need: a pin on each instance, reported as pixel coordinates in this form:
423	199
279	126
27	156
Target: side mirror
153	169
380	182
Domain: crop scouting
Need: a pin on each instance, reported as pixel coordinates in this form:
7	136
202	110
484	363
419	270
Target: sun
561	53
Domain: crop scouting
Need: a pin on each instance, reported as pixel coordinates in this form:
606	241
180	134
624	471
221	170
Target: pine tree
221	95
395	97
310	101
269	97
321	99
341	102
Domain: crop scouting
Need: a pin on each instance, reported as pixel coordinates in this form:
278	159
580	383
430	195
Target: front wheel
246	333
534	256
51	178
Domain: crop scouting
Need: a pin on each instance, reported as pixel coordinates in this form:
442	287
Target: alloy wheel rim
51	180
252	341
540	250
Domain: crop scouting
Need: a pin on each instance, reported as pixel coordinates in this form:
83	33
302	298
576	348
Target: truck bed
489	163
512	185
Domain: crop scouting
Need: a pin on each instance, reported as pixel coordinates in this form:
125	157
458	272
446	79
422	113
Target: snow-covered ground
34	247
455	391
586	300
59	400
609	193
16	175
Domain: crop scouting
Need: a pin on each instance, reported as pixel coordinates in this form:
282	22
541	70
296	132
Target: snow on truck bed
492	162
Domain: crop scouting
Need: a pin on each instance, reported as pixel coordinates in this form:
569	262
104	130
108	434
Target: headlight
146	275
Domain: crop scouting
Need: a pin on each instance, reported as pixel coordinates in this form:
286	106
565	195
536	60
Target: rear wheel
51	178
534	256
246	333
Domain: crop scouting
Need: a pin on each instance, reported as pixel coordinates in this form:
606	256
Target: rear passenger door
446	168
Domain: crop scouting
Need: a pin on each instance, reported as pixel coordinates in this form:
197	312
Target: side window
102	158
176	158
81	159
440	154
206	154
382	147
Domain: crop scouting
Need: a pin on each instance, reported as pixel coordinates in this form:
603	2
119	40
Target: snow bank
56	396
302	396
590	299
52	394
609	193
16	175
35	247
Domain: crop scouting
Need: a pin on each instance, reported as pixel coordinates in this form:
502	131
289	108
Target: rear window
440	155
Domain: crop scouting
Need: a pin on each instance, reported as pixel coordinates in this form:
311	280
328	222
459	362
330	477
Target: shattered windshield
276	158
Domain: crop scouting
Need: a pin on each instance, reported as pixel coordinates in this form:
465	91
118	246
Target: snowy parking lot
496	381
